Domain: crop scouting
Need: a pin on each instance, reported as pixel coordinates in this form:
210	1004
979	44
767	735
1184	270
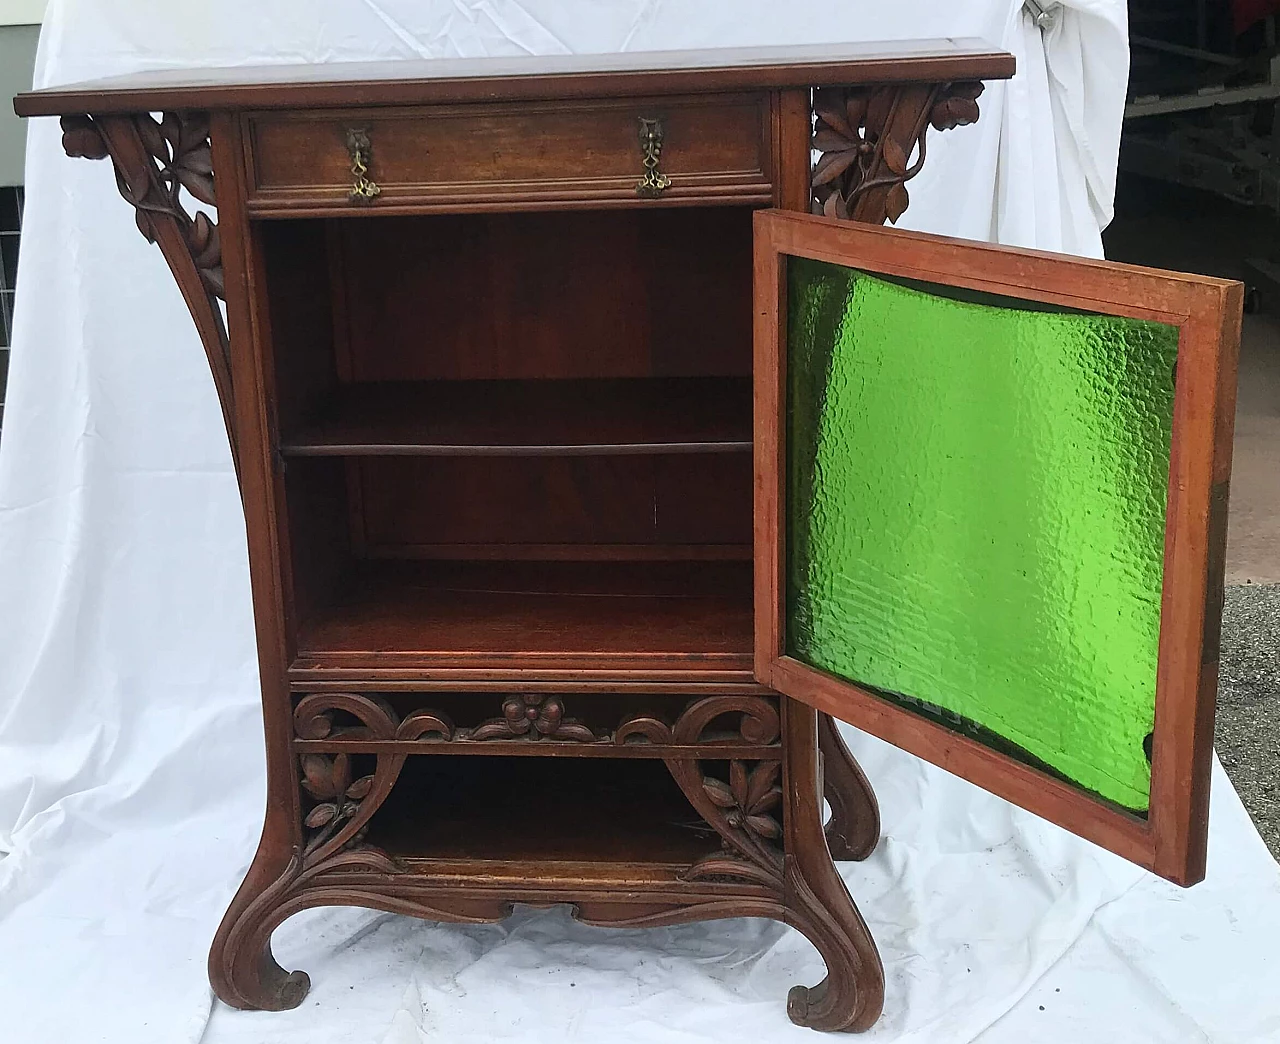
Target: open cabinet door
991	507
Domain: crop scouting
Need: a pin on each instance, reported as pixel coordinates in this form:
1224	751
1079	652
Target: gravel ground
1248	732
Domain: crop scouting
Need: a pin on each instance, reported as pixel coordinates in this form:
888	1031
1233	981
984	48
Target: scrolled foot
278	990
851	996
242	969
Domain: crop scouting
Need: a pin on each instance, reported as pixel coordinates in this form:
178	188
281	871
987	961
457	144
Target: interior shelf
575	809
531	417
678	615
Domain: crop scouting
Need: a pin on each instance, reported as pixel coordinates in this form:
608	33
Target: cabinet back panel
625	293
417	506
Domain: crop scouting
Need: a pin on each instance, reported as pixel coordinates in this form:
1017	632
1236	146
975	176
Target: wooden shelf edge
580	667
549	881
647	416
543	748
706	683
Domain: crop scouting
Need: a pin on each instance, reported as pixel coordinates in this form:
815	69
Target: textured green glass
976	513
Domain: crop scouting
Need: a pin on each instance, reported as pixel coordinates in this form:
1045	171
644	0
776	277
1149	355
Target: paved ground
1248	733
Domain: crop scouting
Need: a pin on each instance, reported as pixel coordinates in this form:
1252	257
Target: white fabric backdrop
131	766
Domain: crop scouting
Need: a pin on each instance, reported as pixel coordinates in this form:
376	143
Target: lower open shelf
527	810
664	615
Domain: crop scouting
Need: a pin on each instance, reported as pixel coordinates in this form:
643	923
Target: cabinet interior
628	812
517	435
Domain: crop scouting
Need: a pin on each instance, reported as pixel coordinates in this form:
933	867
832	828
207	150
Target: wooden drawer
474	157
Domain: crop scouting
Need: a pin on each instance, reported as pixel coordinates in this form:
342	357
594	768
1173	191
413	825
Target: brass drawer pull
654	181
363	188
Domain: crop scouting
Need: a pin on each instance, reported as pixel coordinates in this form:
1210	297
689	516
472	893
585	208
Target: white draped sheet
131	757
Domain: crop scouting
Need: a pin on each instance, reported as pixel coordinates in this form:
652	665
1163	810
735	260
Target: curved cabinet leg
854	829
816	900
242	969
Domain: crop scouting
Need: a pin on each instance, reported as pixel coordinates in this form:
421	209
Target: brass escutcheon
654	181
363	188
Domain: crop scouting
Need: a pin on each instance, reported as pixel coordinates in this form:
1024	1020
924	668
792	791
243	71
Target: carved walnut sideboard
515	381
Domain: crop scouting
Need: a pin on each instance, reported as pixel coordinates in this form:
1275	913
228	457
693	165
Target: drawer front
714	148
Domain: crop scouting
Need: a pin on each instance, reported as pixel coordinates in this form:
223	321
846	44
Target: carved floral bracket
154	162
872	141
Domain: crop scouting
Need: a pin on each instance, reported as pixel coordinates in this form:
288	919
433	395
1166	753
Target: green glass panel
976	514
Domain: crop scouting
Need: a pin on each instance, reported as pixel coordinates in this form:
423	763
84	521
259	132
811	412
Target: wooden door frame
1171	839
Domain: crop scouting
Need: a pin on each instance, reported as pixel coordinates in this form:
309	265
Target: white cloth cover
131	765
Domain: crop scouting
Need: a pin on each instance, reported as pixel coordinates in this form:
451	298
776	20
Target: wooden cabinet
532	383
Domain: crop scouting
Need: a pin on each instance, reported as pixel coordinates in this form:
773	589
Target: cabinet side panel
248	327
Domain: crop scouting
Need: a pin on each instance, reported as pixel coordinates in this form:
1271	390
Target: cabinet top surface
449	80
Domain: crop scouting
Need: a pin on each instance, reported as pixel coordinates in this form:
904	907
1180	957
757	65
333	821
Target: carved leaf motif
765	826
315	775
81	138
360	788
958	107
171	128
201	186
894	158
718	792
197	158
153	138
855	107
204	241
194	131
143	221
827	105
832	165
835	207
827	140
879	107
321	815
762	793
738	783
341	773
326	777
896	202
720	865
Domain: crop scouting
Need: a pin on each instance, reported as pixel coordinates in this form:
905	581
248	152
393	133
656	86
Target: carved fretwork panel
872	141
154	162
534	717
745	810
738	797
711	726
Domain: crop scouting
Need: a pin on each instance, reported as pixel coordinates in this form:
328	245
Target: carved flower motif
534	716
82	139
748	797
327	778
523	713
